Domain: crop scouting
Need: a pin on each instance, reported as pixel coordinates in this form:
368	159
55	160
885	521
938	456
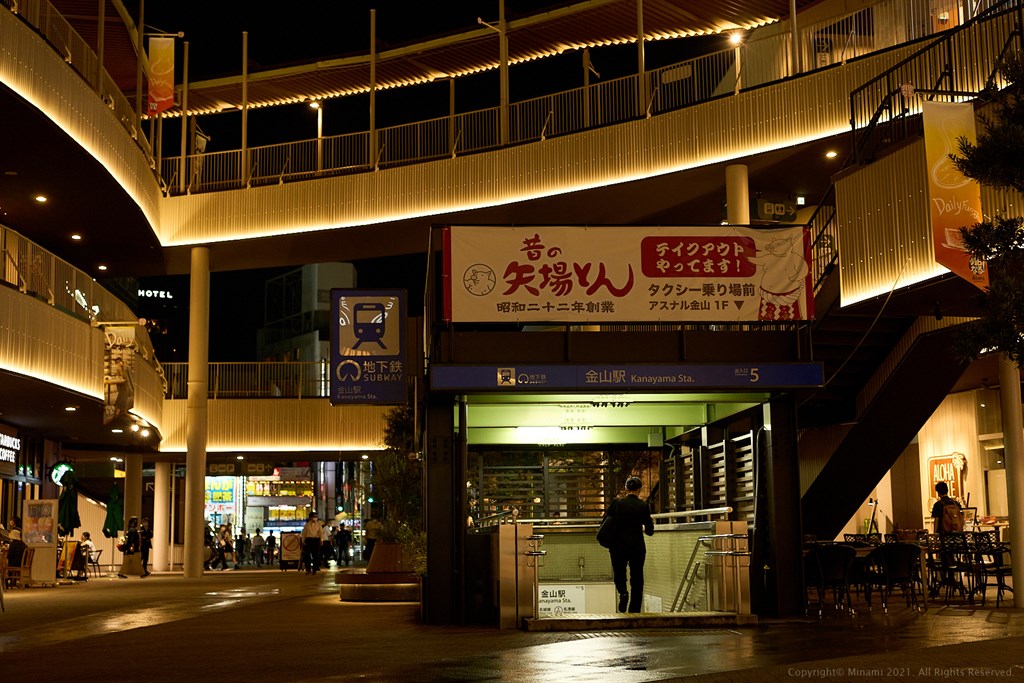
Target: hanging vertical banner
368	346
119	372
161	74
955	200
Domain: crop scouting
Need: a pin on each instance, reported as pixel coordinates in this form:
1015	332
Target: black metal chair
992	564
957	565
898	565
828	567
94	561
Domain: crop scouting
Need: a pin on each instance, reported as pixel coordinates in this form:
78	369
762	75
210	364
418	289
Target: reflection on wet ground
303	632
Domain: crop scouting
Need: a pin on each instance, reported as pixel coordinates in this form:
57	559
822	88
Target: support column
776	562
442	593
737	195
101	29
139	55
184	121
195	417
641	66
503	73
374	152
162	518
795	47
132	487
1013	454
245	108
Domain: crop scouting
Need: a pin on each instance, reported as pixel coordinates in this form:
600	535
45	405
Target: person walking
145	545
631	518
131	563
225	545
258	545
311	535
343	539
271	547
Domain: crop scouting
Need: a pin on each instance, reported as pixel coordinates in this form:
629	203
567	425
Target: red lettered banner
627	274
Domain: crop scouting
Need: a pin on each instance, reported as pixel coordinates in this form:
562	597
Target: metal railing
764	60
36	272
956	67
55	29
254	380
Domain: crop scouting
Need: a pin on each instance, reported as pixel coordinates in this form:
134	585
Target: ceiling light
239	457
135	428
117	430
736	37
71	409
145	433
76	237
40	198
366	457
101	267
831	154
314	104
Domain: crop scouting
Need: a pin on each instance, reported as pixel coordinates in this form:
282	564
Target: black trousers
633	558
311	555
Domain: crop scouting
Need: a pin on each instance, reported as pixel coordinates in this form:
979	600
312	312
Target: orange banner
954	199
161	74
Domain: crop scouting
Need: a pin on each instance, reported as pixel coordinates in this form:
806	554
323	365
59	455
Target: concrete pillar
737	195
442	594
503	73
1013	454
162	517
195	412
132	487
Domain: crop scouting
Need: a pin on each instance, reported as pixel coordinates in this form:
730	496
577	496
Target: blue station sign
368	346
696	376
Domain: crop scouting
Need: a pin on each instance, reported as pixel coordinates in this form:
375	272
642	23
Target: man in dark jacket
632	519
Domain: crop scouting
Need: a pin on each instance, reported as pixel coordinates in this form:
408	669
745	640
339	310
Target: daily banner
955	200
161	74
627	274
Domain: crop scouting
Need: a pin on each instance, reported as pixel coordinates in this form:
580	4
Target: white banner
627	274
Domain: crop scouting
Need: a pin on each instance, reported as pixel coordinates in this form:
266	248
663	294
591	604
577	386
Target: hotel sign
368	347
636	274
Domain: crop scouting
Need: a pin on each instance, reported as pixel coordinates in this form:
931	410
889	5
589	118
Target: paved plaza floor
268	625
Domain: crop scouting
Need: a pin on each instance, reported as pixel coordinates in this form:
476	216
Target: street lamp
316	104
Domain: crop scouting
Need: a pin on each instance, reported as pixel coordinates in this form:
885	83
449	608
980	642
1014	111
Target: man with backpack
949	518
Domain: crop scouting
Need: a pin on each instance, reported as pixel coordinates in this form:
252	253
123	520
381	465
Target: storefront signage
239	469
10	446
368	347
293	474
155	294
119	372
616	377
636	274
220	493
951	469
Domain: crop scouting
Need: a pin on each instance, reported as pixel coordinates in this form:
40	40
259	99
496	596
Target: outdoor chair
828	567
16	575
94	561
957	565
992	564
898	565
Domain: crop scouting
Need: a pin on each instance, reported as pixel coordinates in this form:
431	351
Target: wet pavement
283	626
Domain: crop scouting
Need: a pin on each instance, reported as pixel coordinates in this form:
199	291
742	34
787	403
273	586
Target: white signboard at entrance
558	599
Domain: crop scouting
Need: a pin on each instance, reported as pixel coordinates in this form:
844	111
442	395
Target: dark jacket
632	520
